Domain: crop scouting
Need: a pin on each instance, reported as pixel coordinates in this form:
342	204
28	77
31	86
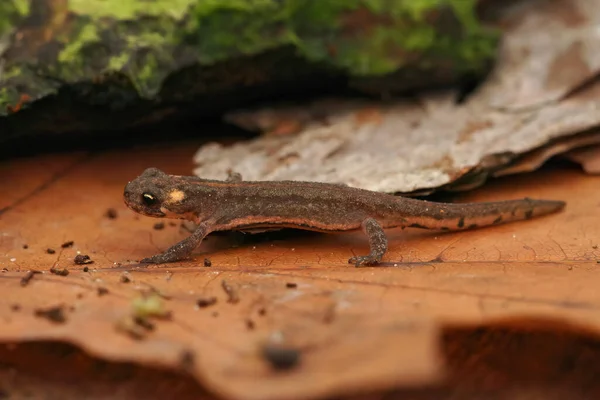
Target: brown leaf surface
355	329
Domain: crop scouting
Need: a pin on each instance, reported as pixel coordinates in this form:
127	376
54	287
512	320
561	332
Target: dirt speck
81	259
111	213
28	277
54	314
232	294
206	301
187	360
279	357
59	272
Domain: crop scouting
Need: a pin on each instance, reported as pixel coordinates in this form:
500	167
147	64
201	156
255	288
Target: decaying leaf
588	157
534	159
376	328
541	90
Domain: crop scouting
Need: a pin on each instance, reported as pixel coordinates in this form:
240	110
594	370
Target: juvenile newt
234	204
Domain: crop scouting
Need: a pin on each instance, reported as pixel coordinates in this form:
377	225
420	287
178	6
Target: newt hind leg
377	244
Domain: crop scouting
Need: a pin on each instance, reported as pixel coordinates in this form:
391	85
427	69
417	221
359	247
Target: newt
235	204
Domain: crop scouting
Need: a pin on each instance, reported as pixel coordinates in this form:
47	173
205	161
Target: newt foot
361	261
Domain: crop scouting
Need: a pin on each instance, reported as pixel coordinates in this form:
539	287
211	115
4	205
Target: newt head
153	194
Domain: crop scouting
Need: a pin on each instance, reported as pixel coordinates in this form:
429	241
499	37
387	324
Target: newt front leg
182	249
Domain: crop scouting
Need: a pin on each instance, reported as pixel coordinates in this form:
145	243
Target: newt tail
453	216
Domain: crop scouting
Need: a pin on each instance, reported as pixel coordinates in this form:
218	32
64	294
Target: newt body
235	204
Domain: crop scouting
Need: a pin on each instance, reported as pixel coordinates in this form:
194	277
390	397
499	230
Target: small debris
187	360
150	305
291	285
102	291
280	358
215	314
111	213
262	311
207	262
59	272
81	259
25	246
136	328
232	295
204	302
159	226
50	251
138	324
595	247
171	223
152	290
125	278
4	269
329	314
86	269
144	323
15	307
28	277
54	314
65	245
250	324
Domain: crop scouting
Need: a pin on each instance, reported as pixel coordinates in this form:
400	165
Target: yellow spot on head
176	196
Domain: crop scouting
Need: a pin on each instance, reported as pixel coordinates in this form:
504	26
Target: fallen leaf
378	328
588	157
536	158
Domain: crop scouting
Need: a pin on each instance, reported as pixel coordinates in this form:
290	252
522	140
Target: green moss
72	50
116	63
395	32
11	72
22	6
5	98
11	11
146	76
225	28
130	9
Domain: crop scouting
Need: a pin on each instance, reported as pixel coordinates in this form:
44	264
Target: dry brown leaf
549	48
588	157
54	370
354	329
536	95
536	158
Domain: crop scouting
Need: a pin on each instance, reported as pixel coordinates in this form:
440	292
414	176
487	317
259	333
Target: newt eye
148	199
